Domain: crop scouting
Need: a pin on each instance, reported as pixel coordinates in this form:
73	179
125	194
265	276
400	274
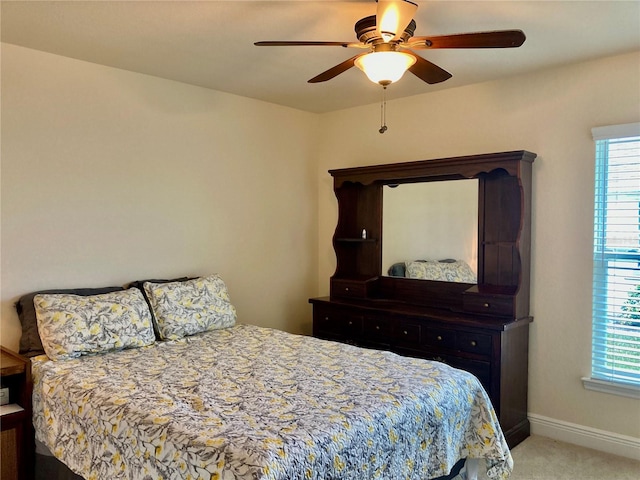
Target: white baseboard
588	437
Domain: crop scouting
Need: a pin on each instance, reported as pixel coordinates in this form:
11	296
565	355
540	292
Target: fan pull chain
383	110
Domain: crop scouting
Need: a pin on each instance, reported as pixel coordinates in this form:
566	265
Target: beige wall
110	176
550	113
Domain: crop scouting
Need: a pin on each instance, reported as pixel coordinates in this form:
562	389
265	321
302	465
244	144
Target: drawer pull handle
326	319
350	322
473	343
377	327
486	305
439	338
346	289
405	332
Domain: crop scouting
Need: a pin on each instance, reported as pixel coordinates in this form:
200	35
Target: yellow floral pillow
73	325
186	308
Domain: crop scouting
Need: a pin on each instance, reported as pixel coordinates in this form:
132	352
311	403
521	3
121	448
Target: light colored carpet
540	458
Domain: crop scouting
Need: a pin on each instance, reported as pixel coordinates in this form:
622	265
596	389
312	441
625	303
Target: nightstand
16	437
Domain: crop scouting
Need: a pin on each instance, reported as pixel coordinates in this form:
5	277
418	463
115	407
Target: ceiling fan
388	40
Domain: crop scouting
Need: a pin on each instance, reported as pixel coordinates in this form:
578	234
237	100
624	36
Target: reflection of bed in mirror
430	230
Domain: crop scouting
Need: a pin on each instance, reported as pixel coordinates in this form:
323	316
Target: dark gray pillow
30	343
397	270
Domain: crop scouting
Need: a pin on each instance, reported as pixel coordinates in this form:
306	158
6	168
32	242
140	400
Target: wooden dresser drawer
448	339
352	326
336	322
325	321
348	288
377	328
439	337
406	334
474	343
488	304
481	370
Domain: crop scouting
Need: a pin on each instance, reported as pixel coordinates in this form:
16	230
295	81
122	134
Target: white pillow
193	306
73	325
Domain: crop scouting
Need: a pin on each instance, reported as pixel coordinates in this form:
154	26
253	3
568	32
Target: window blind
616	255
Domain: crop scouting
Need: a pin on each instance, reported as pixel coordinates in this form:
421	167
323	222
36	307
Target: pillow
139	284
397	269
30	343
186	308
74	325
449	271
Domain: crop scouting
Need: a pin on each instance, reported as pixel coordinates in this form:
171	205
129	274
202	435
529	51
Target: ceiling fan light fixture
385	67
387	37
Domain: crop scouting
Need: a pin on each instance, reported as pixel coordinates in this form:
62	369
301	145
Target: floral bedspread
254	403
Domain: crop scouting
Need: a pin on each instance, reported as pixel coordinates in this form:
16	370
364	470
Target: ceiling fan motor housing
366	31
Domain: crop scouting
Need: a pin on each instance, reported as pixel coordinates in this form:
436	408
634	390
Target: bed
237	401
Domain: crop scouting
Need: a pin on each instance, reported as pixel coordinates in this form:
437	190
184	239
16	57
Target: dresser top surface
391	307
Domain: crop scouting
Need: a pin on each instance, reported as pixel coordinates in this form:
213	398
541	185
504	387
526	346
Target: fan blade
335	71
278	43
495	39
392	17
427	71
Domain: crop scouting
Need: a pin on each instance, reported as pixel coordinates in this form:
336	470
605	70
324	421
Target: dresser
493	349
483	327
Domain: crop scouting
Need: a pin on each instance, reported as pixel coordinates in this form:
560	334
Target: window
615	365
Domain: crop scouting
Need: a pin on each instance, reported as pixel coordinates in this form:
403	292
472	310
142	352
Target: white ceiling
210	43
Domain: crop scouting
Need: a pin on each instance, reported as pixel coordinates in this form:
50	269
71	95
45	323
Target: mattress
248	402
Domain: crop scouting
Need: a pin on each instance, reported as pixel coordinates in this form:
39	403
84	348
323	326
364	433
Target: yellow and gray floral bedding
441	270
253	403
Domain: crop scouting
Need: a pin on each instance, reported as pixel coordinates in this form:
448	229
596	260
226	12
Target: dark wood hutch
482	328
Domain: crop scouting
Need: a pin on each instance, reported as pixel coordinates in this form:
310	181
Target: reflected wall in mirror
431	221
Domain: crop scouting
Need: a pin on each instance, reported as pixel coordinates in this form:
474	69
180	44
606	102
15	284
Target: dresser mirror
430	221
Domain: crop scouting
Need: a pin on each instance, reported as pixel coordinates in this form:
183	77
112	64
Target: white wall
110	176
550	113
